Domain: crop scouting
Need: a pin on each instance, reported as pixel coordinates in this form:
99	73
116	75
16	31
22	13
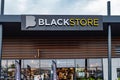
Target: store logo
61	22
30	21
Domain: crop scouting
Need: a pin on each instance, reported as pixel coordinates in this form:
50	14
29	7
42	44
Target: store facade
79	54
97	68
72	69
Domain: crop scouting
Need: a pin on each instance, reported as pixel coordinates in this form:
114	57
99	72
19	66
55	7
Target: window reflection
11	69
80	62
90	69
65	63
8	70
30	69
4	69
94	63
45	69
80	69
65	69
45	63
95	69
31	63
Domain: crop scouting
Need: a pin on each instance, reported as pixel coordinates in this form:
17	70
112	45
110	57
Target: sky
67	7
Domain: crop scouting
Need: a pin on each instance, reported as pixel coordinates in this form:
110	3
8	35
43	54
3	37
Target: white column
105	69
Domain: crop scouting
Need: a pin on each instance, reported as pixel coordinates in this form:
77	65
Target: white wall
115	65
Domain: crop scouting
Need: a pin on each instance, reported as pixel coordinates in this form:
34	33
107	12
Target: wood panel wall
72	48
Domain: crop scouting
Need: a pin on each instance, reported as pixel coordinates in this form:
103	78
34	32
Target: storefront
79	54
72	69
96	69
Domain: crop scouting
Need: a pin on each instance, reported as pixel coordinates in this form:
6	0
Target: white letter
66	22
46	22
41	21
59	22
53	22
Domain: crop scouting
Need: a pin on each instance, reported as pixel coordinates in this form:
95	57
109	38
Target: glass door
95	71
89	69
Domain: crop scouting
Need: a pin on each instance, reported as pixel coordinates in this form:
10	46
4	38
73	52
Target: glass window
11	69
45	63
65	73
65	63
89	69
45	69
65	69
94	63
80	63
45	73
4	69
4	63
70	63
95	69
8	69
30	69
80	69
118	73
31	63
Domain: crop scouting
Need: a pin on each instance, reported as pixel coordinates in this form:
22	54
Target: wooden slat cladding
57	48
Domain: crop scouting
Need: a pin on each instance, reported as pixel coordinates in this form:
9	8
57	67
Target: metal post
109	45
2	7
20	68
109	54
17	70
0	49
86	65
2	12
